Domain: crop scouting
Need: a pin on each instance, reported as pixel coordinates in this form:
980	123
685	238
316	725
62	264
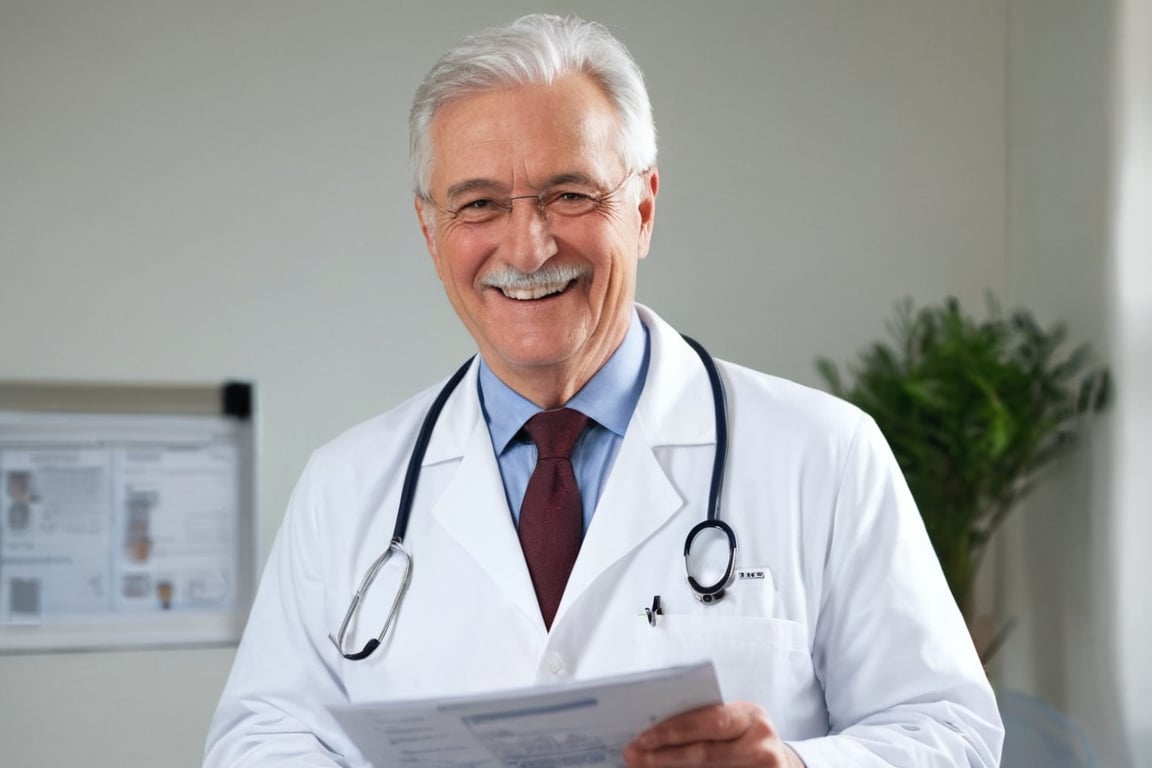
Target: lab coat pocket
756	659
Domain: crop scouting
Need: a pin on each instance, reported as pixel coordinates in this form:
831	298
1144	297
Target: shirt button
556	663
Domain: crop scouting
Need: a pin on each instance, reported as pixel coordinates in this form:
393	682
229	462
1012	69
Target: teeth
533	292
523	286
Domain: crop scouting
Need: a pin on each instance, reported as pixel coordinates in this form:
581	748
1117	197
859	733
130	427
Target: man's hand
734	735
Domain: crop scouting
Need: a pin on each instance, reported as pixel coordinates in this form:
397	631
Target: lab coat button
556	663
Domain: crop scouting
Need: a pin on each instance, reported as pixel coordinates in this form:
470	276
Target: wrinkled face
546	293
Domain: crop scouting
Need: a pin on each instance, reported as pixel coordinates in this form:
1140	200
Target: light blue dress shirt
608	399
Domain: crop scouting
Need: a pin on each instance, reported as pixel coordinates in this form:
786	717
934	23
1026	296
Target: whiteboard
124	529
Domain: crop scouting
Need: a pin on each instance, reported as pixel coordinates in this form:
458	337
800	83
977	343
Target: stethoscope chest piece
713	535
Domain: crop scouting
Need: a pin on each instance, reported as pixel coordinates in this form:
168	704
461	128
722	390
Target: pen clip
654	611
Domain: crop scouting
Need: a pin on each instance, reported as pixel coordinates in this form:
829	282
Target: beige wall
197	191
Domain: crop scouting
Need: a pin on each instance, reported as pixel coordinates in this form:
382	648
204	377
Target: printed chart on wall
123	529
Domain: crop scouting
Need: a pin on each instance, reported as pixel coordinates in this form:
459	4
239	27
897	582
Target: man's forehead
538	135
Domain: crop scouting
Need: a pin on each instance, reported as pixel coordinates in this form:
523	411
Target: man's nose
528	241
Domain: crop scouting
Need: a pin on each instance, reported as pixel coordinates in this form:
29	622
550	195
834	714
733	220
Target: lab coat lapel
637	500
473	508
640	497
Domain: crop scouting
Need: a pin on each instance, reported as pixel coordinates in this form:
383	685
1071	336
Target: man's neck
553	385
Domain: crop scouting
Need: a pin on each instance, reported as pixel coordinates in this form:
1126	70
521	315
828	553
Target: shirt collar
609	397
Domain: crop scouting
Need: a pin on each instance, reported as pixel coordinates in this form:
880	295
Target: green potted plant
974	411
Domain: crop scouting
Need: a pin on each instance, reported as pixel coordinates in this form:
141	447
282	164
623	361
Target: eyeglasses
394	548
565	201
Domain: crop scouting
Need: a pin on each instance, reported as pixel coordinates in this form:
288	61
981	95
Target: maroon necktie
552	517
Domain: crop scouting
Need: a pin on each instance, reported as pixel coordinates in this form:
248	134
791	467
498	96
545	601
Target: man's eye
480	209
570	203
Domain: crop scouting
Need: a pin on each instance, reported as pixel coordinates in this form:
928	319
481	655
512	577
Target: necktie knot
555	432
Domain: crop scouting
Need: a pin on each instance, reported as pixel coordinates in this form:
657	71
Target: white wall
1075	558
1057	580
1132	313
196	191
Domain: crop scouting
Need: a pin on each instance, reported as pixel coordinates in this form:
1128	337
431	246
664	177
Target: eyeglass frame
503	207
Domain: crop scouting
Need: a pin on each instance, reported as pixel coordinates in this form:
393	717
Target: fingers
733	735
720	722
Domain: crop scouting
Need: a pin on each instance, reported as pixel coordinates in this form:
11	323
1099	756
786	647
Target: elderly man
561	470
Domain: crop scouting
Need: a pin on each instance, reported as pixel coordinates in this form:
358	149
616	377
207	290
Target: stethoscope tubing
720	412
412	475
705	593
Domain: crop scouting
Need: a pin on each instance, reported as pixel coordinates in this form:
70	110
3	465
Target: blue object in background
1036	735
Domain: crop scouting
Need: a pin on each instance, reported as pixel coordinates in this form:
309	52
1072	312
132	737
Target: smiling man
536	225
562	470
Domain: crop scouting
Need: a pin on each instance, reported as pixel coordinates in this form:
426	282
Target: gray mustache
541	278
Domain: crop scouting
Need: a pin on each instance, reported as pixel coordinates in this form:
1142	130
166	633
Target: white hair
535	49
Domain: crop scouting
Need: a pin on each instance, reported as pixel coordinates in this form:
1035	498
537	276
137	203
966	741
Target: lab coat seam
829	572
831	578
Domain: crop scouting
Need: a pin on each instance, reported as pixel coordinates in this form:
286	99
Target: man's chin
537	358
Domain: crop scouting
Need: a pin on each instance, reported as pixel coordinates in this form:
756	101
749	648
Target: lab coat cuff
833	752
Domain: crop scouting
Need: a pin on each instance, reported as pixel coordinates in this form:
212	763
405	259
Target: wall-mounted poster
124	528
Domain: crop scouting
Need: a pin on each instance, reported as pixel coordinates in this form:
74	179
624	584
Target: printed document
586	723
104	516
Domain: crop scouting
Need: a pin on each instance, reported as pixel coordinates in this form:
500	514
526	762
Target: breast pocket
757	659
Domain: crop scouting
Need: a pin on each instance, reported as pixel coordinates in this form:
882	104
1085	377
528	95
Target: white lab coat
852	642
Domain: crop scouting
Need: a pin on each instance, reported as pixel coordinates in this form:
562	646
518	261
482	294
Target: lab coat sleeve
273	709
903	684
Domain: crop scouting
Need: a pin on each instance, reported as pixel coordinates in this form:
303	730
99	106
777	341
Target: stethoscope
705	593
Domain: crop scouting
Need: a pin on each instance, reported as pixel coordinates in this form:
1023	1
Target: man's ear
646	206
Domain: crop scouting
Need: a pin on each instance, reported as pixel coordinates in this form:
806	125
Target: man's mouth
545	282
529	293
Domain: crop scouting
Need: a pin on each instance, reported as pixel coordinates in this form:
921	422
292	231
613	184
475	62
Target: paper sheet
586	723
